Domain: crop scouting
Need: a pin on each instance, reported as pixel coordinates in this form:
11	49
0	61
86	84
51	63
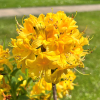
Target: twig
54	91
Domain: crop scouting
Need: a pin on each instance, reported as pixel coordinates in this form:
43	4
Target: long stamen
80	72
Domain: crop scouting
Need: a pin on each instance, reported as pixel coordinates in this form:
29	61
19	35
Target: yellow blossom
1	76
46	43
24	83
20	78
40	88
4	58
63	87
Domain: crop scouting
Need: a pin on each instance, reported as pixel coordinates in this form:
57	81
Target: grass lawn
88	86
31	3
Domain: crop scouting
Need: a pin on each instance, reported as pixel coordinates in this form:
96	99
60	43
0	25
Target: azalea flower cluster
4	59
42	90
49	45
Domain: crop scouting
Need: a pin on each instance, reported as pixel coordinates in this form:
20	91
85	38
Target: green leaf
3	73
23	97
14	72
6	68
13	83
23	91
29	79
47	92
18	84
4	42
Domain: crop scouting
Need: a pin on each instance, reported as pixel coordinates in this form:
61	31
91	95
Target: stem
14	96
54	91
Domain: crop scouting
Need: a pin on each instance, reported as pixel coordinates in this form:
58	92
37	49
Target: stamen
80	72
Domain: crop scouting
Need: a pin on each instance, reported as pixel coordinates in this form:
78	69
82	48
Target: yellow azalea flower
1	76
22	50
4	86
56	76
67	84
24	83
63	86
41	64
4	58
46	43
40	88
1	91
20	78
65	24
53	77
1	68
